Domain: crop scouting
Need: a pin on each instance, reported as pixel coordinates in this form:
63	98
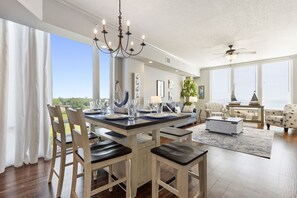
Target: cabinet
249	113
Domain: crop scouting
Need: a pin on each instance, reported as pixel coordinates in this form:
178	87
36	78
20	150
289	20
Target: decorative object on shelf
169	96
189	89
120	49
136	86
233	99
161	88
201	92
225	113
170	84
121	98
254	101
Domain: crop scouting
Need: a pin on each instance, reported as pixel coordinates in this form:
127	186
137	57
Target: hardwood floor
230	174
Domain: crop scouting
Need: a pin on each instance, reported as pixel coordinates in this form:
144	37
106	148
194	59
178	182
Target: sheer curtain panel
25	89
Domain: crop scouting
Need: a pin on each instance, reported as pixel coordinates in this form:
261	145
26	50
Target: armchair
213	109
286	118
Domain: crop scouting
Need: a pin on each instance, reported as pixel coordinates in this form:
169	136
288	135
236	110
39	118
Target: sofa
187	110
286	118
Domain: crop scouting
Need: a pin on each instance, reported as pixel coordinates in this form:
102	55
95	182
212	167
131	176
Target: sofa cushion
180	104
171	105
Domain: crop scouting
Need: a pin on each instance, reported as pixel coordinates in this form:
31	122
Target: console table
260	112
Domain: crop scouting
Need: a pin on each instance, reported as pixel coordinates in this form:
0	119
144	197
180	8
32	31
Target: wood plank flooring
230	174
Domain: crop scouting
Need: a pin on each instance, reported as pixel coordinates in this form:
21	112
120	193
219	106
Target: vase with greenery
189	89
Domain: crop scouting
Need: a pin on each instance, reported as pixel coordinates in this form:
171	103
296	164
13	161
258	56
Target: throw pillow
177	109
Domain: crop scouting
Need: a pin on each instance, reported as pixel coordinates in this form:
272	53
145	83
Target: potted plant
189	89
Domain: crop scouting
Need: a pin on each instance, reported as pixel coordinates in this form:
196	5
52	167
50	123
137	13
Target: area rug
251	141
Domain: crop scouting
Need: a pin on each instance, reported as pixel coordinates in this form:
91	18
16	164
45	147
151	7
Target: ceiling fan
232	53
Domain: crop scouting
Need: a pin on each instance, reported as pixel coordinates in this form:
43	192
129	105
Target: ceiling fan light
231	57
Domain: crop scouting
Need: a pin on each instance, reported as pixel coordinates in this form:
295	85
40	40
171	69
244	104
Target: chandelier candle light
120	49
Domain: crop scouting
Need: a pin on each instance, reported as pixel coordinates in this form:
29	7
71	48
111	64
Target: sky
72	69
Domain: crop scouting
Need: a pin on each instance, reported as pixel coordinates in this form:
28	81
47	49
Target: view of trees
82	103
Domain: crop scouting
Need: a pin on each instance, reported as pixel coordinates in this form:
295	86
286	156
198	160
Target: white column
96	74
259	83
112	81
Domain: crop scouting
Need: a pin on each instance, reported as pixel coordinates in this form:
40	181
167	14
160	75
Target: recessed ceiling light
176	70
103	46
150	62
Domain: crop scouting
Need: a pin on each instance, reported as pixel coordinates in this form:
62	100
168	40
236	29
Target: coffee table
227	126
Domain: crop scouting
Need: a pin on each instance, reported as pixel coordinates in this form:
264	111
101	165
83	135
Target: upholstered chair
213	109
286	118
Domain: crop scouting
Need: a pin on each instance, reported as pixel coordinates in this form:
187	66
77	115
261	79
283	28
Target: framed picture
201	92
161	88
170	84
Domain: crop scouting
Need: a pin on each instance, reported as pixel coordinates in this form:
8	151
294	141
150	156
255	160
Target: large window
71	72
104	75
276	84
245	82
220	85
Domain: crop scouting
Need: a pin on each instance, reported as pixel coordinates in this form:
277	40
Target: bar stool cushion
176	131
105	150
69	138
179	153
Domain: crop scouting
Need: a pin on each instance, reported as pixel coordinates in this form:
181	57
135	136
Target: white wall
150	80
129	67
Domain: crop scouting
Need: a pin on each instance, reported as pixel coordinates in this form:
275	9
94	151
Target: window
220	85
71	72
276	84
104	75
245	82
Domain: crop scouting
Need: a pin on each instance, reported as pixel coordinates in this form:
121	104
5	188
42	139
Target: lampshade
193	99
156	99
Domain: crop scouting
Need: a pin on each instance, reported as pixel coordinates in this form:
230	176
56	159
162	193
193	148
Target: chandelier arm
124	53
96	42
138	52
128	37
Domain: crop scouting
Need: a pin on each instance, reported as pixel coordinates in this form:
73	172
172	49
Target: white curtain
25	89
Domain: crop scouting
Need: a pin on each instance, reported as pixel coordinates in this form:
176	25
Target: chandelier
125	50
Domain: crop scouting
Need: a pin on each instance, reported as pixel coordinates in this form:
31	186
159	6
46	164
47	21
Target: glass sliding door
220	85
245	82
276	84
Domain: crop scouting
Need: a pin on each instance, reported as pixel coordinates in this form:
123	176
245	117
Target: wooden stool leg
109	176
87	180
182	182
62	170
203	177
128	175
189	139
74	177
53	162
155	176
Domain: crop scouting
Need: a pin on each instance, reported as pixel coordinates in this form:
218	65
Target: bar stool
182	157
99	155
60	139
176	134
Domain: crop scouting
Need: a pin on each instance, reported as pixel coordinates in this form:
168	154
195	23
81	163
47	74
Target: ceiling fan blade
218	53
241	49
251	52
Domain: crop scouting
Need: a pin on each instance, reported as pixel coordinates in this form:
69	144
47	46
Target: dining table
130	129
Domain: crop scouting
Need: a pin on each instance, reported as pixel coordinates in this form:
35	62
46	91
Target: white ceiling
195	29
